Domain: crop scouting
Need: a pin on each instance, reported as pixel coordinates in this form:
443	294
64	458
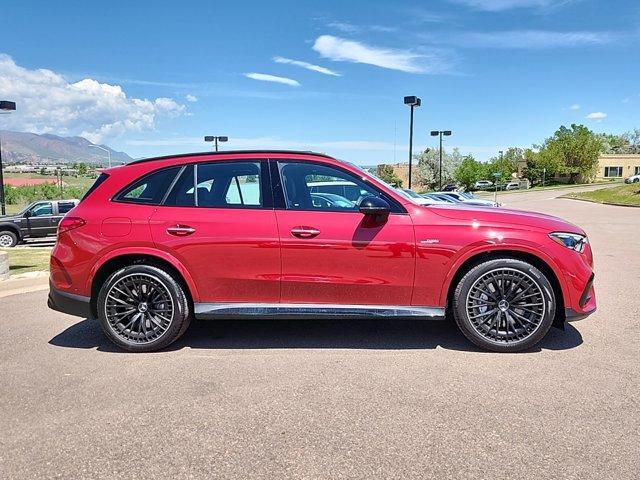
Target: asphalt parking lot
333	399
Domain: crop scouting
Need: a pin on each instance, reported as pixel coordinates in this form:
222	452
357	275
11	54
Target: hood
519	218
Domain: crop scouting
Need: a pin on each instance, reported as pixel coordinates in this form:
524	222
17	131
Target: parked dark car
40	219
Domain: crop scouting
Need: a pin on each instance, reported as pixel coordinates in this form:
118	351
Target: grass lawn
622	195
23	260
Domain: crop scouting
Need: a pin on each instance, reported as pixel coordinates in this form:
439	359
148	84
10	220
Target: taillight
70	223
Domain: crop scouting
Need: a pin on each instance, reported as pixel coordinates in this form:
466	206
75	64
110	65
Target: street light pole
215	139
5	107
106	150
440	133
412	101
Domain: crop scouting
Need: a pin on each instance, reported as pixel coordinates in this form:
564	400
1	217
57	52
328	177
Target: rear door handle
305	232
180	230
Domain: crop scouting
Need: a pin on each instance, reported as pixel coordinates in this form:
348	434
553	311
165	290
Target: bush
31	193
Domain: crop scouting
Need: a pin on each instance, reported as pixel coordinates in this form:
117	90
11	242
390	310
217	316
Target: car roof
229	152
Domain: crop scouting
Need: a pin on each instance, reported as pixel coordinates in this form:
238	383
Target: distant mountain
20	147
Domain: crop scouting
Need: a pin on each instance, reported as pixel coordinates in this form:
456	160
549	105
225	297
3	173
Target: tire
159	311
504	305
636	180
8	239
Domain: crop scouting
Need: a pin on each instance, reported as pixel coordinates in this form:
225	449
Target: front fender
513	245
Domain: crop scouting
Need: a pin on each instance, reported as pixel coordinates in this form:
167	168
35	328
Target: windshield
411	193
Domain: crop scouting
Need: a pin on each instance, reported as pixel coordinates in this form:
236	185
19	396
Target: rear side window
218	185
150	189
64	207
99	181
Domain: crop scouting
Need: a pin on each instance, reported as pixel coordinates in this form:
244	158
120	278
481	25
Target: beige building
618	166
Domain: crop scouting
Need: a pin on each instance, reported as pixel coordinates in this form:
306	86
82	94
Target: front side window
42	210
311	186
637	171
150	189
218	185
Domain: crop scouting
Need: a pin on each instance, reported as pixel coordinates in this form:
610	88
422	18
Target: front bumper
69	303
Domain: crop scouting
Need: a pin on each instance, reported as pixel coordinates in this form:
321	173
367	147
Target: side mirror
374	206
27	214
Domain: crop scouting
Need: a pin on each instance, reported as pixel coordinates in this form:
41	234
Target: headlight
574	241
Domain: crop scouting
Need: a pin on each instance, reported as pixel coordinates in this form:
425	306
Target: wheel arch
11	228
114	262
542	264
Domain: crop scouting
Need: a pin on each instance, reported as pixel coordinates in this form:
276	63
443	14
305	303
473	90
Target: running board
219	311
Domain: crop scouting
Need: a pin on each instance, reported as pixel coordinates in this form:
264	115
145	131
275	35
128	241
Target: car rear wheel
143	308
504	305
8	239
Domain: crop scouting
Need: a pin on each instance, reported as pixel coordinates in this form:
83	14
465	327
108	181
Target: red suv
275	234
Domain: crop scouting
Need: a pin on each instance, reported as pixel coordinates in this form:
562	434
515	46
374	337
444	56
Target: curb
24	283
599	203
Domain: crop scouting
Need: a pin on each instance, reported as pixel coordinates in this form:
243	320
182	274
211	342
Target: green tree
469	172
501	168
540	165
575	149
385	172
82	168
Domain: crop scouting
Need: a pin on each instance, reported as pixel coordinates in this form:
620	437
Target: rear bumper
69	303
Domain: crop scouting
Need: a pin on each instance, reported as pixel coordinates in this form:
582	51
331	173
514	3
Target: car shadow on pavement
383	334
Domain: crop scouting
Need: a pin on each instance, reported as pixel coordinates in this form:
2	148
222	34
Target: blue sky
154	77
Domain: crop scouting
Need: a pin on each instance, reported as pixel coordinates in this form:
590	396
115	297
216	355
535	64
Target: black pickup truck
40	219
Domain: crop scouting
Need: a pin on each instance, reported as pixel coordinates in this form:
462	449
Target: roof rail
226	152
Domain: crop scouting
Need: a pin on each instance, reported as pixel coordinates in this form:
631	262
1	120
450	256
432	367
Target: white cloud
350	28
339	49
575	106
49	103
596	116
528	39
191	98
308	66
501	5
264	77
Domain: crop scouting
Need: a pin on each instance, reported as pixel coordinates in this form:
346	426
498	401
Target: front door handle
305	232
180	230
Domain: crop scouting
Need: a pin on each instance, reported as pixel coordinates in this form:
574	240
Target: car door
334	254
39	219
218	220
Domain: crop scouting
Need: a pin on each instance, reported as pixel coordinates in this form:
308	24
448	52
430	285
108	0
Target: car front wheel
504	305
143	308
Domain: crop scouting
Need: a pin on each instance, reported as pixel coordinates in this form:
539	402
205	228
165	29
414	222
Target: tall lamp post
216	139
106	150
412	101
435	133
5	107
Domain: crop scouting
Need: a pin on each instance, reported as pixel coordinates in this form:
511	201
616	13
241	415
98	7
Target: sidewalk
24	283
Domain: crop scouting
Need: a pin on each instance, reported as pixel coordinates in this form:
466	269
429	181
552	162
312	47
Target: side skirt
220	311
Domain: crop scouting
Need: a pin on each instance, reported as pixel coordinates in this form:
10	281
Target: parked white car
468	198
483	184
512	186
633	178
419	199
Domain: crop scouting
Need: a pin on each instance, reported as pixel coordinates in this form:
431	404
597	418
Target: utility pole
412	101
6	106
435	133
